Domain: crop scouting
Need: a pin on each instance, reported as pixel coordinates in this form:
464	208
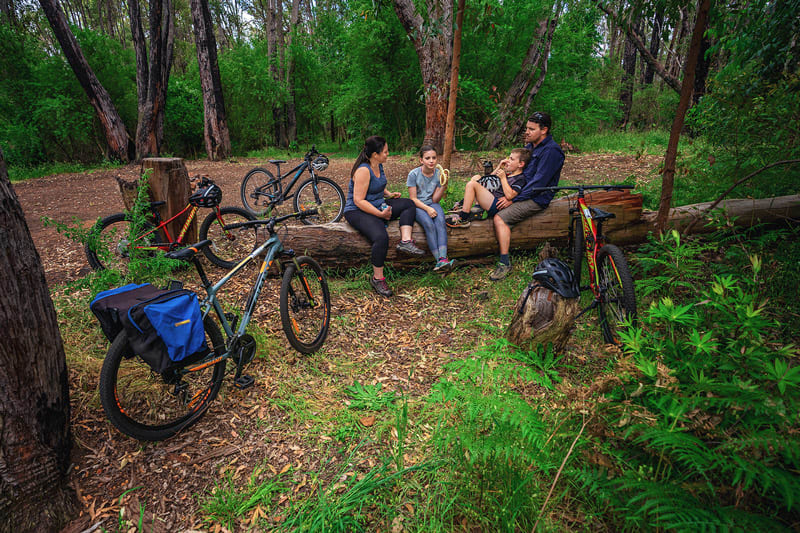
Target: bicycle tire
143	404
330	205
577	249
109	245
228	247
617	295
258	190
305	305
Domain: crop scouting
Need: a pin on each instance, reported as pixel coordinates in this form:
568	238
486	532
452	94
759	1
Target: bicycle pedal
243	382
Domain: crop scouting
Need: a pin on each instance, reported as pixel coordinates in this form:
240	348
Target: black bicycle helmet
210	196
557	276
320	163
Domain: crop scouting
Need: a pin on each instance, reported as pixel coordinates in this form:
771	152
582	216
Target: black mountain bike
262	191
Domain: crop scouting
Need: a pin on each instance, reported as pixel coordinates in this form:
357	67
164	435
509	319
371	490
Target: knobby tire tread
626	298
151	432
286	303
212	252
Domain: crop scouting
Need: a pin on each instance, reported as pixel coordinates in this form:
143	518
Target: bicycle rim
228	246
149	406
259	189
617	296
305	305
329	201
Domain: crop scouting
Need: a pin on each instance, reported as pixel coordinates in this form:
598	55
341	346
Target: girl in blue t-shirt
425	191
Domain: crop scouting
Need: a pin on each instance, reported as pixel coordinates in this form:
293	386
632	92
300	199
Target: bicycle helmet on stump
209	196
557	276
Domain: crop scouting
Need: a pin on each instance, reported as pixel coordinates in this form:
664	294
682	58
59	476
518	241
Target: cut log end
541	317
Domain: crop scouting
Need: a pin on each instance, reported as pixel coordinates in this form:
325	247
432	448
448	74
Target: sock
505	259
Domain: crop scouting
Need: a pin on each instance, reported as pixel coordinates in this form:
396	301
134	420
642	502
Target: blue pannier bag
163	326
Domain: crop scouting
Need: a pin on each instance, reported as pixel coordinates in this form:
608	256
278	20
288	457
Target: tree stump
545	317
169	182
128	190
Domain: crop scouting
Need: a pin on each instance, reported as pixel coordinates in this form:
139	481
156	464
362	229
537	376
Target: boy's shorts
493	209
518	211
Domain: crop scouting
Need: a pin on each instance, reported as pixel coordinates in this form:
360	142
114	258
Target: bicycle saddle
186	254
277	161
599	214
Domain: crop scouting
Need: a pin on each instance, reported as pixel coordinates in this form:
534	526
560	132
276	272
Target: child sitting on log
508	182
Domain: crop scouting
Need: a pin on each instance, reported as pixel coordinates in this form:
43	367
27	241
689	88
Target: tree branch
643	50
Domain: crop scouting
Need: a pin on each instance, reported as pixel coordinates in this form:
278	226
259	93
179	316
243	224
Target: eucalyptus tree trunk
7	9
655	44
512	112
450	127
35	437
432	37
120	146
215	124
152	73
668	178
276	49
628	74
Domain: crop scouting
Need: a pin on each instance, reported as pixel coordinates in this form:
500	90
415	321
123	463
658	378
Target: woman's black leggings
374	228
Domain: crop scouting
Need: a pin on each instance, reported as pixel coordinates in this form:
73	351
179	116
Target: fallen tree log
338	245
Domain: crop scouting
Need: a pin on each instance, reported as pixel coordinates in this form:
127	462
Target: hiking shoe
500	272
443	265
456	221
408	247
380	286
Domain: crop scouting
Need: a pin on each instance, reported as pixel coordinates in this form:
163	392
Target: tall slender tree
432	37
35	437
215	124
152	73
515	107
668	177
120	146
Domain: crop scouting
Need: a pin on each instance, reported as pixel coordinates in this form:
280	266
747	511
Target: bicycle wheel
577	248
109	243
305	305
228	247
259	188
329	201
149	406
617	296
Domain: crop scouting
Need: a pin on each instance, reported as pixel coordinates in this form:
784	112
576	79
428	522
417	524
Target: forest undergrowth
417	415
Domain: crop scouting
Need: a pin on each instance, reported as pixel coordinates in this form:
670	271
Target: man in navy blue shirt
544	170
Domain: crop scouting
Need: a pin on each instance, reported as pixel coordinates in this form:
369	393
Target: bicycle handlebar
584	187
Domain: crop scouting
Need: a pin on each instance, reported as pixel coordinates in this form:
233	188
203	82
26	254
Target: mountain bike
111	242
150	406
610	279
261	191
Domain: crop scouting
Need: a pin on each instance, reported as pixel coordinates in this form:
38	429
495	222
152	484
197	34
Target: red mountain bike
610	277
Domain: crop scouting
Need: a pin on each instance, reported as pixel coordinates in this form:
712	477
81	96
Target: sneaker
380	286
408	247
456	221
500	272
443	265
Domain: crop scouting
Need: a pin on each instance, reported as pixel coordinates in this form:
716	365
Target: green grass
16	174
652	142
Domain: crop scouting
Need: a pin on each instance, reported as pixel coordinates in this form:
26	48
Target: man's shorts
519	211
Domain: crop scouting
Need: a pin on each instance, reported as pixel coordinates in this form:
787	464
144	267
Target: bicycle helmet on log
557	276
210	196
320	163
